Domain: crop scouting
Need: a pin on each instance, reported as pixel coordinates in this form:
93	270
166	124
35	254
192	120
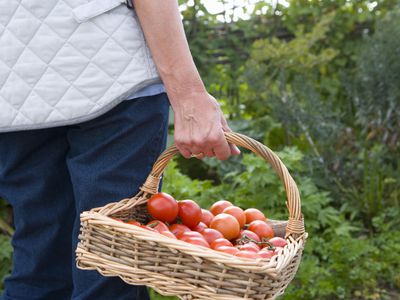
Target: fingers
184	151
209	152
197	153
211	147
234	149
224	124
221	147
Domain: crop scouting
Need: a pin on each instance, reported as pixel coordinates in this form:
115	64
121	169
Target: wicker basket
173	267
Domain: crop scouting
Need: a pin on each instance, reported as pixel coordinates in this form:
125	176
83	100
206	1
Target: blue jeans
51	175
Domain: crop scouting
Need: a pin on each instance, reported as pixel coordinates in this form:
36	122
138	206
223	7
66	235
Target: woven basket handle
295	224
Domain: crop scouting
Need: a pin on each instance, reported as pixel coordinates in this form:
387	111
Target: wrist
185	91
187	100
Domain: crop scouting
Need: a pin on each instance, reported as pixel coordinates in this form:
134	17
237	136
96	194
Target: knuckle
214	139
197	142
181	141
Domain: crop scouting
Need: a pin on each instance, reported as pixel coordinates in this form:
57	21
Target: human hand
200	126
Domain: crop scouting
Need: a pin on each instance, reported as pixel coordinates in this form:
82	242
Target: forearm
163	29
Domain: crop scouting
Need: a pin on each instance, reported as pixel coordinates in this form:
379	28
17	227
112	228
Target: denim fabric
51	175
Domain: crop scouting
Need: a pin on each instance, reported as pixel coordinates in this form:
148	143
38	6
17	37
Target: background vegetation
318	82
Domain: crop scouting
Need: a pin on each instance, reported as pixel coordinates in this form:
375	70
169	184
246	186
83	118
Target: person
85	89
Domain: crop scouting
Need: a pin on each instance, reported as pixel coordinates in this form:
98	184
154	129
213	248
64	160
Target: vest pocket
94	8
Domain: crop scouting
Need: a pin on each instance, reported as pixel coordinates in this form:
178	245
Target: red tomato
163	207
148	228
189	213
262	229
133	222
266	253
253	214
169	234
227	249
157	225
249	234
206	217
178	228
220	242
200	227
227	225
210	235
197	241
238	213
249	247
277	242
248	254
187	234
219	206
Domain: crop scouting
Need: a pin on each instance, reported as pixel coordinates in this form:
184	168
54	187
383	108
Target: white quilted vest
68	61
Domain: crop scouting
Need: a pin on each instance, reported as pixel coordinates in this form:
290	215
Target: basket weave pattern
173	267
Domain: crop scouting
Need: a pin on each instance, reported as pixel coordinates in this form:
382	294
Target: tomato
277	242
219	206
247	234
227	225
253	214
189	213
220	242
187	234
248	254
227	249
133	222
157	225
238	213
249	247
262	229
210	235
169	234
266	253
163	207
200	227
206	217
178	228
197	241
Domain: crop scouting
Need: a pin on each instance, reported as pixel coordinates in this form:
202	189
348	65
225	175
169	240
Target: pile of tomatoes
224	227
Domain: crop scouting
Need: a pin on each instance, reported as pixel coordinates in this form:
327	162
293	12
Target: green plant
156	296
5	258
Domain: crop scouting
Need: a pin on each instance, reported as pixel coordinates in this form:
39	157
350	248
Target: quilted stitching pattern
55	71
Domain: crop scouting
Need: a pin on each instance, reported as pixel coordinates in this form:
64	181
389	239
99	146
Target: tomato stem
264	241
153	225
